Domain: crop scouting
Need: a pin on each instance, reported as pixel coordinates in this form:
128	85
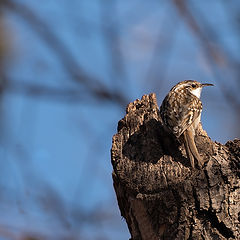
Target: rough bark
159	194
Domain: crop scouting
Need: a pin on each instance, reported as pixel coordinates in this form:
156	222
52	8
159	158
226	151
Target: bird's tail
191	148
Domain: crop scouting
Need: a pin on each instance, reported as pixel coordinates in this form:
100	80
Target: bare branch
94	86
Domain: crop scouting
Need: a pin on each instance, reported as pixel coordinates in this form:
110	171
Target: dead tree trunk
159	194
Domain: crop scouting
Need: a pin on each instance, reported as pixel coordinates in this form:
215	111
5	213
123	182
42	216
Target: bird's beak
206	84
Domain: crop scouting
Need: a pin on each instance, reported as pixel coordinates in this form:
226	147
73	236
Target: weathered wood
159	194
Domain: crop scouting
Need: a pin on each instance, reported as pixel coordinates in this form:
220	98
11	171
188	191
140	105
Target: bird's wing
188	114
180	117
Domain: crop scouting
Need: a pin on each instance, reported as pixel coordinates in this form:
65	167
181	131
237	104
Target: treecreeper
171	180
181	113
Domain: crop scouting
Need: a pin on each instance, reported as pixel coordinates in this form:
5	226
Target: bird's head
192	86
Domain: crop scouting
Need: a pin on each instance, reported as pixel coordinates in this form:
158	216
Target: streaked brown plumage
181	113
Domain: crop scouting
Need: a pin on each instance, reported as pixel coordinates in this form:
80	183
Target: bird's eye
194	85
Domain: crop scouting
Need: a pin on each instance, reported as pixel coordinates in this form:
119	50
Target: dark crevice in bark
191	228
226	181
197	202
211	216
178	201
190	235
208	188
220	226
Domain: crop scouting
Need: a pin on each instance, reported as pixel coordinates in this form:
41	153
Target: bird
181	113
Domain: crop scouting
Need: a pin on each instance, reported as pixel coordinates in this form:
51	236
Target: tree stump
159	194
